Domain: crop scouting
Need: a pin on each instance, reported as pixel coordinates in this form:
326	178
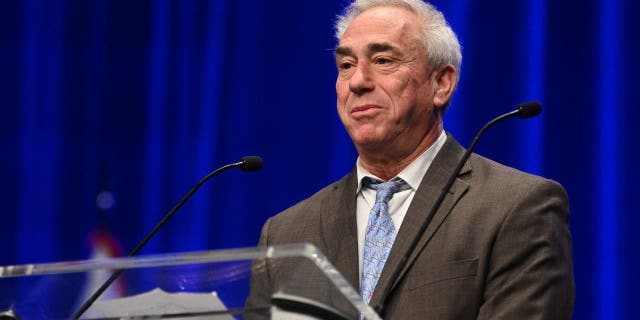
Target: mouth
365	110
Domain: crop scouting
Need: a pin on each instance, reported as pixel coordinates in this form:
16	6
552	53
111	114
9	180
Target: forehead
390	24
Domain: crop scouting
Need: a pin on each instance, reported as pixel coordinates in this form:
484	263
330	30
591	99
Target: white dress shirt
399	204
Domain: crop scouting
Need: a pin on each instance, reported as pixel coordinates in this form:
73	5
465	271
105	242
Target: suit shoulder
492	174
312	205
491	170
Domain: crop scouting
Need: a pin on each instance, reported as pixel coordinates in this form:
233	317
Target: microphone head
529	109
251	163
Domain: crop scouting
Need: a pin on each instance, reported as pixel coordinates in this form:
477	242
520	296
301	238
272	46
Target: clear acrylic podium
194	285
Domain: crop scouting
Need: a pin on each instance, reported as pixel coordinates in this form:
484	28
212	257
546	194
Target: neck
387	162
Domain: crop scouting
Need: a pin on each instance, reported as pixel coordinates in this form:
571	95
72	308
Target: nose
361	81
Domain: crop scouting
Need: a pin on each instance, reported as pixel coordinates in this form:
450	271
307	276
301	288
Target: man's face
384	87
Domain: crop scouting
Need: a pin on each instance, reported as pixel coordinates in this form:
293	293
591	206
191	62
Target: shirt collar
414	172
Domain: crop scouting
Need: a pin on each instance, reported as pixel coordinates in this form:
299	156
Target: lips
365	110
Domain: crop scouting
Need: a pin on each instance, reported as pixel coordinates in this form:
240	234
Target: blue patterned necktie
380	233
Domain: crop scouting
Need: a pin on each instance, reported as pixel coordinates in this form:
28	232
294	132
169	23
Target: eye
382	60
345	65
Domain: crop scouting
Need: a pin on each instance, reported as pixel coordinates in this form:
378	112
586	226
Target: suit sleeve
531	273
260	288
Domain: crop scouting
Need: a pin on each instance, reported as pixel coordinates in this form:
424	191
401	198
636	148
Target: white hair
438	39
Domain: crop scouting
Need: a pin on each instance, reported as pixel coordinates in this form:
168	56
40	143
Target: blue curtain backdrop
112	110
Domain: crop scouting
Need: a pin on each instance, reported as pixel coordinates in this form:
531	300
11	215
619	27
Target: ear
444	82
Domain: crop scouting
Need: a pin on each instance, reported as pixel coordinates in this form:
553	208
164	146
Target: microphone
248	163
529	109
524	110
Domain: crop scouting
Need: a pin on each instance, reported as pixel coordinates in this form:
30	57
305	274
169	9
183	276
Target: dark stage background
112	110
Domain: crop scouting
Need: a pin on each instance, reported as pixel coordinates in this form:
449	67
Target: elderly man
498	248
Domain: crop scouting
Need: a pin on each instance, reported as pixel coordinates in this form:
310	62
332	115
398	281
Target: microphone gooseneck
523	110
248	163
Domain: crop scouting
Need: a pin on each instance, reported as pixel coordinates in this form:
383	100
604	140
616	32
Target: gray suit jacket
499	247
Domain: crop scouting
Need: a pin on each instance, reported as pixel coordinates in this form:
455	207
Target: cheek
340	109
417	91
342	96
342	91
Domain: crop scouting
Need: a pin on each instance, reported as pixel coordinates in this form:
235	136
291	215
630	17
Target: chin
369	143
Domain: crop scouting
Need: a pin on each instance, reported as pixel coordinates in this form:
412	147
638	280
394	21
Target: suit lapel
430	188
339	230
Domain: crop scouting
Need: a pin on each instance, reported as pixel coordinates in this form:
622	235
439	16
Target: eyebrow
343	51
379	47
371	48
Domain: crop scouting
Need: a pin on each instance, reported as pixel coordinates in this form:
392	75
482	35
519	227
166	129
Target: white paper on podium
159	302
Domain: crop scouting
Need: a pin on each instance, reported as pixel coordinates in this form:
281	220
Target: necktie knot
385	190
